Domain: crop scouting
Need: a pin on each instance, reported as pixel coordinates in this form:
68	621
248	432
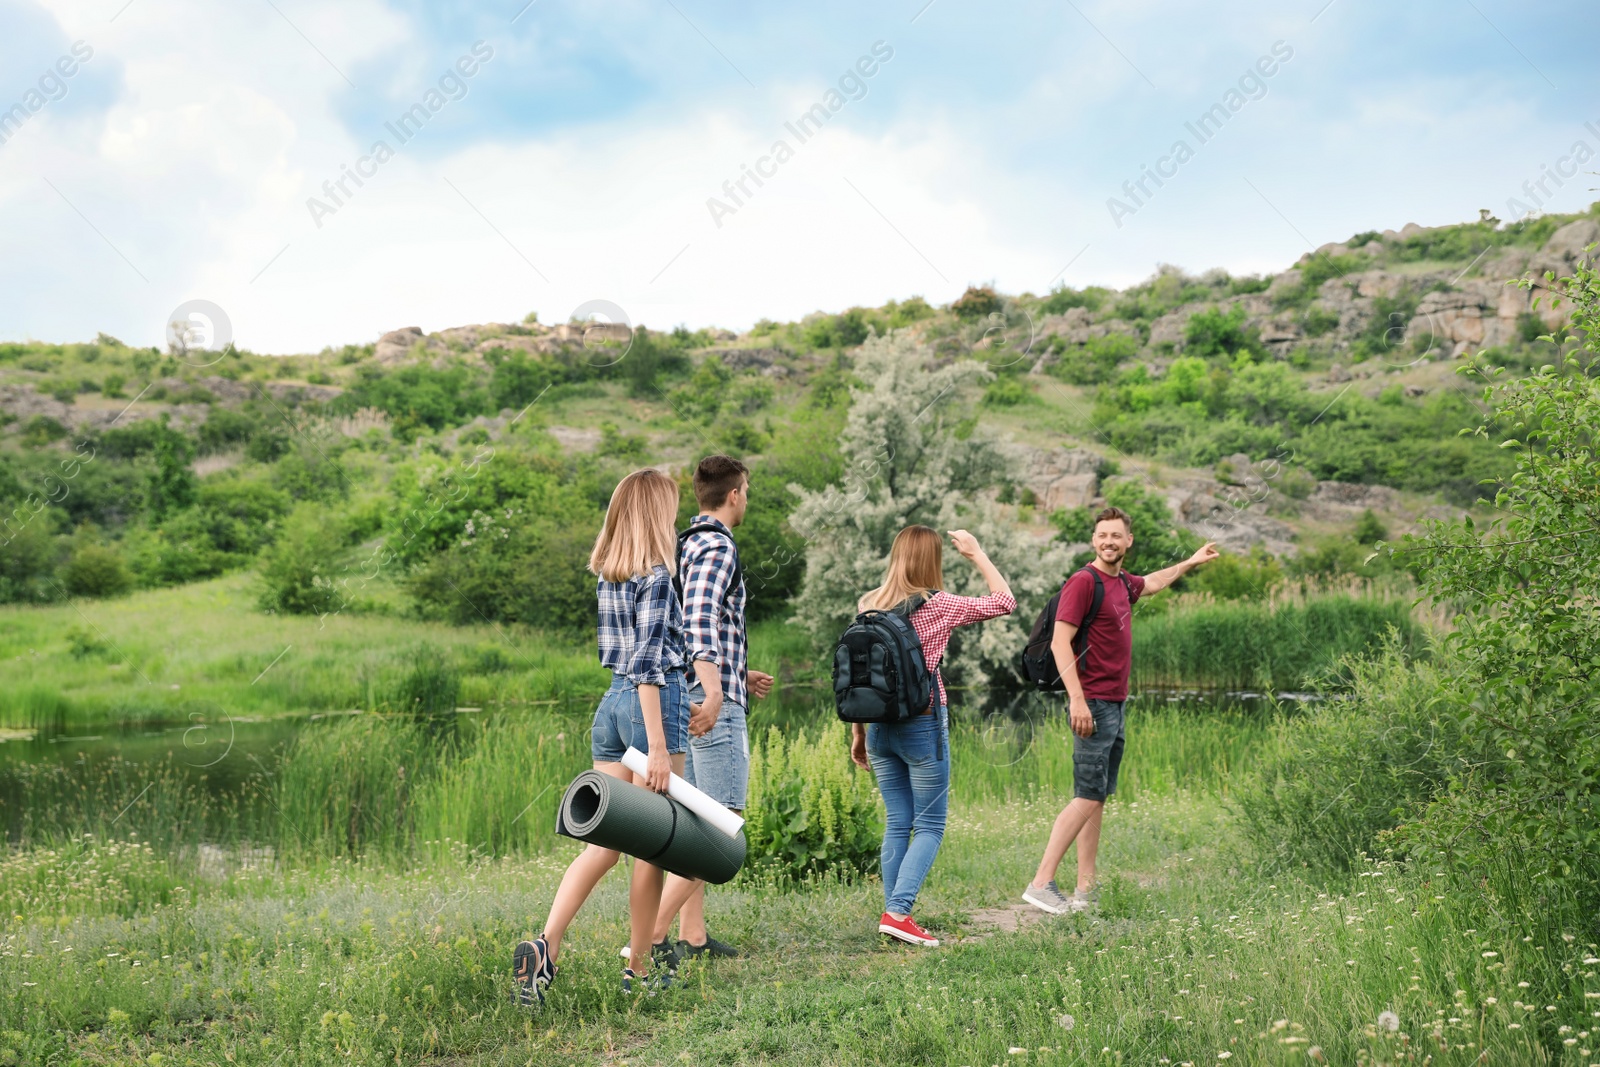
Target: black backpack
1035	662
706	527
879	672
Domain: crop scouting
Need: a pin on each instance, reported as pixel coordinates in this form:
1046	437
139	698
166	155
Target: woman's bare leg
583	874
644	898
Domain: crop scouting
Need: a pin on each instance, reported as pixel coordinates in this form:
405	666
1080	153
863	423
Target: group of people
672	631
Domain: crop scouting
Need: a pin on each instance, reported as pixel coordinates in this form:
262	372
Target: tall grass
157	801
1169	748
1284	643
500	796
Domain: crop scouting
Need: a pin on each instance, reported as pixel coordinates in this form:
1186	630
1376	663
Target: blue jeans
719	760
619	720
911	760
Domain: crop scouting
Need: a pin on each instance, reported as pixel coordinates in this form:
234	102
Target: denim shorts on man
1096	758
619	720
719	760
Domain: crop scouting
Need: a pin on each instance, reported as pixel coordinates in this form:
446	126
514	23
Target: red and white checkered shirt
935	619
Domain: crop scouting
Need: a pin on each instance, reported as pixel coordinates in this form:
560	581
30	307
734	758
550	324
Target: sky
559	154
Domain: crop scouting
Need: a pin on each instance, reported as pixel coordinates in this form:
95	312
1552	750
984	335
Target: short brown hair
715	478
1107	514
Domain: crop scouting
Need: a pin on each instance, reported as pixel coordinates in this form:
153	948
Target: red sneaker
906	930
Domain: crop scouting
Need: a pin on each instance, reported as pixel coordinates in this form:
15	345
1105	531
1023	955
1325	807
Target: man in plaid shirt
714	631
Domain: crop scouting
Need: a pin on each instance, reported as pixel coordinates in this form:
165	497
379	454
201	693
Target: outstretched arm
1159	580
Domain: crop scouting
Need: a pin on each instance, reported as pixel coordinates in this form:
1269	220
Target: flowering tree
912	454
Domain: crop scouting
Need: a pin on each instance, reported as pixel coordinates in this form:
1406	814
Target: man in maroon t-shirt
1097	694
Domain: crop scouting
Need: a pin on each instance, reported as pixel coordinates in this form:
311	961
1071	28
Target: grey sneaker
1048	899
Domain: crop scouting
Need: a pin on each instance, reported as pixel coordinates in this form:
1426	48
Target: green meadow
127	955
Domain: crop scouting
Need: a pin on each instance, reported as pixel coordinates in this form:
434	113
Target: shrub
298	572
1348	770
1214	332
1095	361
811	811
1064	298
1523	815
96	570
977	302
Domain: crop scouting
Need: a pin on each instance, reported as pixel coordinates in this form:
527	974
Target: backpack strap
908	607
706	527
1080	640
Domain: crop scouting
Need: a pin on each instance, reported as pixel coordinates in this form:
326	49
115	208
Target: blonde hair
640	528
916	565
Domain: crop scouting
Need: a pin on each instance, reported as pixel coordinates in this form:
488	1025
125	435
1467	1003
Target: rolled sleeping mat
598	809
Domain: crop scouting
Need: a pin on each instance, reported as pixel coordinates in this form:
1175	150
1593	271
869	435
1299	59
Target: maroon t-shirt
1104	668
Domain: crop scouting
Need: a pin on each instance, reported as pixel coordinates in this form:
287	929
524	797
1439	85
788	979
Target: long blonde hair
640	528
916	565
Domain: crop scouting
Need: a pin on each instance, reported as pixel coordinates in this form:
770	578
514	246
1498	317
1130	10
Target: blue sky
577	161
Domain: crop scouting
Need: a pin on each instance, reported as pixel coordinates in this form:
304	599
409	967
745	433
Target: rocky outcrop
396	346
1233	513
1061	477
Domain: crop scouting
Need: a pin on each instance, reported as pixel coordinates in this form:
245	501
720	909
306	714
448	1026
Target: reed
1288	643
1170	748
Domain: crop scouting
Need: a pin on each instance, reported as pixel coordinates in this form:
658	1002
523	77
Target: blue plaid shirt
641	627
713	610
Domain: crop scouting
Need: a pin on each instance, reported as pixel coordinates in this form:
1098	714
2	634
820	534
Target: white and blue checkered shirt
641	627
713	608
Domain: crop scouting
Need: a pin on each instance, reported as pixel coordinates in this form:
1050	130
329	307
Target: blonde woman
647	707
911	759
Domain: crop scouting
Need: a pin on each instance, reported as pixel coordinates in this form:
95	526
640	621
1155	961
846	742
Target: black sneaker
712	947
662	953
532	970
645	984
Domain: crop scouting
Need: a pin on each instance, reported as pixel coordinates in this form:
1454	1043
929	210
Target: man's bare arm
1156	581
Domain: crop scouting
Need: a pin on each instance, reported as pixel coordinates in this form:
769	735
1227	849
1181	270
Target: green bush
1094	361
811	811
1214	332
299	572
1065	297
1522	817
96	570
978	302
1346	771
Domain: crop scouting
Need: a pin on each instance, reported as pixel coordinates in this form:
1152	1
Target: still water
214	777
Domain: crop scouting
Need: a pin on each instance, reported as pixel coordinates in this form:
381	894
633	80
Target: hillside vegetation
458	476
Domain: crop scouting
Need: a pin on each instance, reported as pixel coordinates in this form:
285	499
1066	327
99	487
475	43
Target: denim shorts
719	760
619	720
1097	758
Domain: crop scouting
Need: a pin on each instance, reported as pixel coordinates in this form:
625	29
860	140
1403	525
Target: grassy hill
458	476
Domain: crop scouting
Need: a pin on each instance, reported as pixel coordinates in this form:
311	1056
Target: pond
214	779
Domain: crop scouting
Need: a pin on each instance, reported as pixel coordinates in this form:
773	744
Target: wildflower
1570	1041
1389	1021
1513	1026
1490	955
1066	1022
1315	1053
1015	1051
1224	1055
